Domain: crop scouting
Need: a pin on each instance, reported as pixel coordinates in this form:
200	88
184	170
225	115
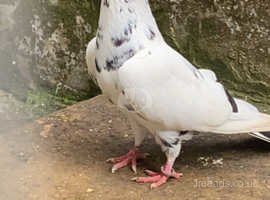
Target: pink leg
130	157
159	178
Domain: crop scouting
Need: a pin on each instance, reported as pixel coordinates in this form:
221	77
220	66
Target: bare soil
62	157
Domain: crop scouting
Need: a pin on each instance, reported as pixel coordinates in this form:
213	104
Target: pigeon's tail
263	135
247	120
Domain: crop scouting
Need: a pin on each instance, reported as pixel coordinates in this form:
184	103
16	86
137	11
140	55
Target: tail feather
247	120
238	123
263	136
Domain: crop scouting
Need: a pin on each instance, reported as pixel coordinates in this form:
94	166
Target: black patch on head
109	65
117	61
97	66
123	92
119	41
130	53
129	107
129	29
151	35
112	64
126	1
106	3
165	143
182	133
232	102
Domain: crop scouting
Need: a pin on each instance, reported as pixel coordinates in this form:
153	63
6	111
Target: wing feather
179	93
182	97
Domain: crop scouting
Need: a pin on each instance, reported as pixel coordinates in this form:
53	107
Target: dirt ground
62	157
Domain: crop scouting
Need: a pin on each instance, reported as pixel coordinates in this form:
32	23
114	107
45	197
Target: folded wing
182	97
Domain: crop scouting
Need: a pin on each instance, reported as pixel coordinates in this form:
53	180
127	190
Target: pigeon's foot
131	157
157	178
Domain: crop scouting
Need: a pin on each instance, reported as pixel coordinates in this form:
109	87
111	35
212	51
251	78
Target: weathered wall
44	41
231	37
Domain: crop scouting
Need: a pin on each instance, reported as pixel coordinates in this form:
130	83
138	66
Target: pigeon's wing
172	94
243	106
180	96
90	59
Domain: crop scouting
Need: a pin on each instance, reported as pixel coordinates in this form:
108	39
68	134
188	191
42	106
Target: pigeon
159	90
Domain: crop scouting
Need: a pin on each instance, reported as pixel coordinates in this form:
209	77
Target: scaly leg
170	143
158	178
133	155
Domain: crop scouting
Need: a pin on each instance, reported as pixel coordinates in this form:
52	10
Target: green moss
44	101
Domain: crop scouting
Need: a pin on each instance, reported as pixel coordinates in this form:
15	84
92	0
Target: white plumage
160	91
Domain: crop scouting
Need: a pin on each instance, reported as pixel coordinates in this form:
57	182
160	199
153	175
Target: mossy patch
44	101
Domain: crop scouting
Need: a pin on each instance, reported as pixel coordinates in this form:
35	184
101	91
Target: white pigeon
161	92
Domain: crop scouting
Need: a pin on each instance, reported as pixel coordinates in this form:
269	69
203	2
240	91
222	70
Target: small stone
21	154
126	135
218	161
89	190
110	121
90	130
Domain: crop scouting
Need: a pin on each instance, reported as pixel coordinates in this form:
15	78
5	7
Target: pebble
218	161
89	190
21	154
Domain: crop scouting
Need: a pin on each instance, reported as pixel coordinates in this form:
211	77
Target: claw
110	160
133	165
130	157
156	178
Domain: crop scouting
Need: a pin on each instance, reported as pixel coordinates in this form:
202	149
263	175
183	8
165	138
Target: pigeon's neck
125	27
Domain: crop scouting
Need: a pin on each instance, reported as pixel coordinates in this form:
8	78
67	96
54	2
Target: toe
151	173
150	179
160	182
120	165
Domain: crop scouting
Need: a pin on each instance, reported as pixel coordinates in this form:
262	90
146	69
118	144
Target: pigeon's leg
170	143
133	155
